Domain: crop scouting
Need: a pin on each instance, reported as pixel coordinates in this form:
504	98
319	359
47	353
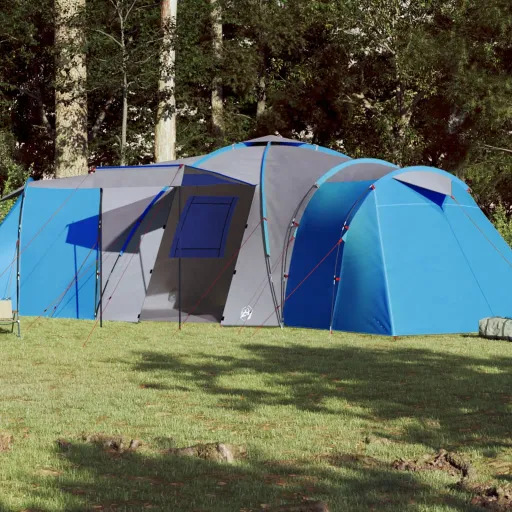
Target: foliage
12	174
425	82
298	399
503	222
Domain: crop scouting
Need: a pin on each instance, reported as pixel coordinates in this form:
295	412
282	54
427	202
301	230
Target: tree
70	89
217	89
165	132
123	56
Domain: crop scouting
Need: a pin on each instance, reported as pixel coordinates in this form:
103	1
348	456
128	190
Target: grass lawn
297	399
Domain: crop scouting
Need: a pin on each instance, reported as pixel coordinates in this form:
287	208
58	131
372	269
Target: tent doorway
202	237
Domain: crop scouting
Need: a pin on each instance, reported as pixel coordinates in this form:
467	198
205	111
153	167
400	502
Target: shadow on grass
454	399
99	480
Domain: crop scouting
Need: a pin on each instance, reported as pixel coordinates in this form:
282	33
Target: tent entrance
199	247
310	302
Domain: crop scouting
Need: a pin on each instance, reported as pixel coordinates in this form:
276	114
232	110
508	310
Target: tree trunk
217	89
262	95
70	89
124	121
165	132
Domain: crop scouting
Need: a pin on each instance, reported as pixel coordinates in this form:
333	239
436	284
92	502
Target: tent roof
171	175
274	138
427	180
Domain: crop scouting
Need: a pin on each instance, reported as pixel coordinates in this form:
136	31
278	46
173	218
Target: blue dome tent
416	255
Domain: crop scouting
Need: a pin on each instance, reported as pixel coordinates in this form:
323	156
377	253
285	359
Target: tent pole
18	255
179	261
99	265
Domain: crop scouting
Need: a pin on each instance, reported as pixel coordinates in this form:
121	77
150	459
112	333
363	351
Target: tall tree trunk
70	89
124	121
165	132
262	95
217	89
262	82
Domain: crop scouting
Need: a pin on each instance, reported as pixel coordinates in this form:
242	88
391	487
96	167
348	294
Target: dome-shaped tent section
418	257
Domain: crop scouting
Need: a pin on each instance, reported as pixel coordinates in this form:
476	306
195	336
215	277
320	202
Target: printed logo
246	314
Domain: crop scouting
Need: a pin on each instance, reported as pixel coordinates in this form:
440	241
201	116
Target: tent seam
468	263
388	294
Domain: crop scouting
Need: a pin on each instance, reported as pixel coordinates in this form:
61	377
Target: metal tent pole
99	262
179	260
18	257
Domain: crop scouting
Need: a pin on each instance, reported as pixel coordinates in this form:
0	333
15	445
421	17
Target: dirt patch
449	462
63	445
6	441
217	452
498	499
113	444
493	498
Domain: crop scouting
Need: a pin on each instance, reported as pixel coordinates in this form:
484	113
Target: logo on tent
246	314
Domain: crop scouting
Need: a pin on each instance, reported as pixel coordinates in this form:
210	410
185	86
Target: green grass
295	398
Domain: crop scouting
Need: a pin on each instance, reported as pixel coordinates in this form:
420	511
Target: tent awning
142	176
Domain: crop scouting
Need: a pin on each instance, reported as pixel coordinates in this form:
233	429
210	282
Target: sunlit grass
293	397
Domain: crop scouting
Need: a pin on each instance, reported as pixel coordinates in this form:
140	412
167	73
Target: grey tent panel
181	161
275	139
121	210
205	281
362	171
240	163
290	172
250	287
251	271
129	177
13	194
427	180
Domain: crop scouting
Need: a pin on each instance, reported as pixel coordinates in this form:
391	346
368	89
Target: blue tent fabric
419	256
431	286
9	236
415	261
51	256
362	301
311	303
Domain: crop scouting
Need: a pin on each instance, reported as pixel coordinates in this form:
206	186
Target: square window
203	228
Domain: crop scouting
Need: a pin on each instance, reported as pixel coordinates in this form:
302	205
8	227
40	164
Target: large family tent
120	231
268	232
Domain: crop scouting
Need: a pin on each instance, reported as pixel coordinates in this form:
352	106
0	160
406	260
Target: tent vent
234	272
151	271
222	319
246	226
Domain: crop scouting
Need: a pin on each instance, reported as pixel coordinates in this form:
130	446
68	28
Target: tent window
203	227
